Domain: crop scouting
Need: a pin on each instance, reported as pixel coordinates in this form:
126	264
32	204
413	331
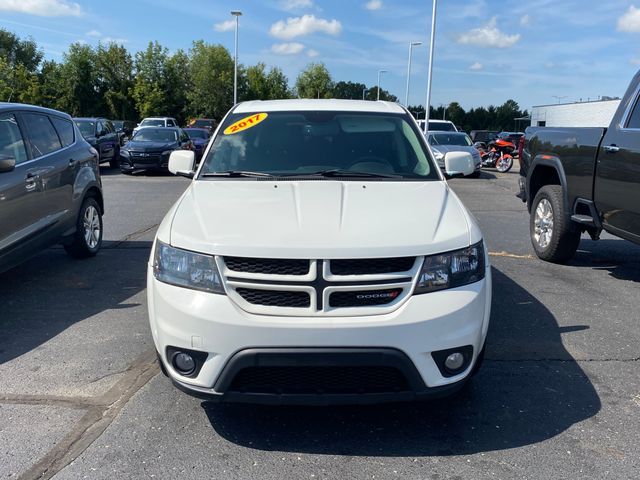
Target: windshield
197	133
150	122
117	124
312	142
87	128
460	139
155	135
203	123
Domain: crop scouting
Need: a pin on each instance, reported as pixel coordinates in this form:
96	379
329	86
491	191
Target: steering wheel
370	162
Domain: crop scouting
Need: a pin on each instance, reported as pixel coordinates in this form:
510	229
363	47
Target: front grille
151	158
275	298
314	380
270	266
371	266
366	298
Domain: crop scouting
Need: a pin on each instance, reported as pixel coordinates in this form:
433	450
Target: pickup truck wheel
554	238
88	236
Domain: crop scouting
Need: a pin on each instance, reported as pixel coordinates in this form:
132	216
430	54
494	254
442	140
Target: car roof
318	105
32	108
444	132
439	121
158	118
89	118
160	128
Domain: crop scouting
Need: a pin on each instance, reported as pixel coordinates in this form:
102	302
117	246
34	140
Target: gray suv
50	189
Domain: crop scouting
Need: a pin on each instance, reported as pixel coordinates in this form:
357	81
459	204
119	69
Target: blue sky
486	50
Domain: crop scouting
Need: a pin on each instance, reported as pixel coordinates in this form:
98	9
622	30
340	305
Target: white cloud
292	48
291	5
634	61
225	26
476	66
42	8
630	20
488	36
305	25
119	41
93	33
373	5
525	20
312	53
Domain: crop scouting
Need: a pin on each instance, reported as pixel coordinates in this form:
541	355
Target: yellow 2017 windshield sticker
245	123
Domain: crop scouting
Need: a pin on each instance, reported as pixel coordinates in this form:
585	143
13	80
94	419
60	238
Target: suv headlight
186	269
437	154
452	269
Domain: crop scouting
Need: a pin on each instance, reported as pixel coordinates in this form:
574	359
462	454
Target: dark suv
50	189
101	135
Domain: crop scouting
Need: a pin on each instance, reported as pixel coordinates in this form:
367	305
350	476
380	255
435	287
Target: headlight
167	153
438	154
452	269
186	269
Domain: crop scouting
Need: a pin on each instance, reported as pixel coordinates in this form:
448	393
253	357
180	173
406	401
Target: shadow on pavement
530	389
619	257
50	292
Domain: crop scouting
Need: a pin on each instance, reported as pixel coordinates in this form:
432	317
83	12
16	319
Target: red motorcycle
497	154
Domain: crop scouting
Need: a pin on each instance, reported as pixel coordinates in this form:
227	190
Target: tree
260	85
79	94
211	73
314	82
149	92
50	80
177	85
20	52
349	90
114	68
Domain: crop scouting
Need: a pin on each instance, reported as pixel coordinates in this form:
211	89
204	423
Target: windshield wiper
236	173
343	172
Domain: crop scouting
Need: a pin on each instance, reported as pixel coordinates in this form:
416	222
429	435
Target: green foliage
79	93
314	82
114	67
19	52
260	85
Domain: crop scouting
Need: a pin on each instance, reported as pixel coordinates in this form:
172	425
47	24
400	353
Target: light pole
364	91
379	72
559	97
406	95
430	70
235	13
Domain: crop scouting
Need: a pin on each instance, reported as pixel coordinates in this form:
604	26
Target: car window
458	139
443	127
298	143
194	133
171	123
155	135
109	126
11	143
43	138
634	118
150	122
64	129
87	128
101	128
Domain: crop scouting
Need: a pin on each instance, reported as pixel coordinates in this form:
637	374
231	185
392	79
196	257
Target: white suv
156	122
319	256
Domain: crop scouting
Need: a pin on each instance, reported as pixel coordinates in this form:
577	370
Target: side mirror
182	162
7	163
458	164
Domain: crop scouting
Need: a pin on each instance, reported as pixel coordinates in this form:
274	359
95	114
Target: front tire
87	239
553	236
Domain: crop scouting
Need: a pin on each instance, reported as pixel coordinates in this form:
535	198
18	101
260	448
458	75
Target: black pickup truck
577	180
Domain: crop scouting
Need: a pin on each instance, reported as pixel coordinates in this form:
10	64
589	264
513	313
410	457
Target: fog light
454	361
184	363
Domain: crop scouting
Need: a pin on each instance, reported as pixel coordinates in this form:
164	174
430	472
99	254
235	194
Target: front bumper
192	320
153	162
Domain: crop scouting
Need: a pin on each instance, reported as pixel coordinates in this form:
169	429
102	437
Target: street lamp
235	13
364	90
379	72
406	95
430	70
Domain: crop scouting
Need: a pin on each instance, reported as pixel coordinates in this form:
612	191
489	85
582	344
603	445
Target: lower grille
366	298
139	159
314	380
275	298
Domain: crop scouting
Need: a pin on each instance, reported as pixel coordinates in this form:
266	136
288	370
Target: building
597	113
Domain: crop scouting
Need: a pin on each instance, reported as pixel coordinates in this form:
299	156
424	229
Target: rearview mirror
458	164
7	163
182	162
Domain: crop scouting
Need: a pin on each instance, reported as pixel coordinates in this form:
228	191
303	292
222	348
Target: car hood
149	146
318	219
455	148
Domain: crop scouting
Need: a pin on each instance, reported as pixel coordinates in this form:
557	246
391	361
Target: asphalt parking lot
81	395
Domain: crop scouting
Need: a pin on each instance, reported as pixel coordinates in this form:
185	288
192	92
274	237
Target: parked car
483	136
156	122
439	125
50	189
268	285
124	129
150	147
200	138
101	135
443	142
578	180
208	123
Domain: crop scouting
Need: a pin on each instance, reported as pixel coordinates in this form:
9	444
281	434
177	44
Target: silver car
443	142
